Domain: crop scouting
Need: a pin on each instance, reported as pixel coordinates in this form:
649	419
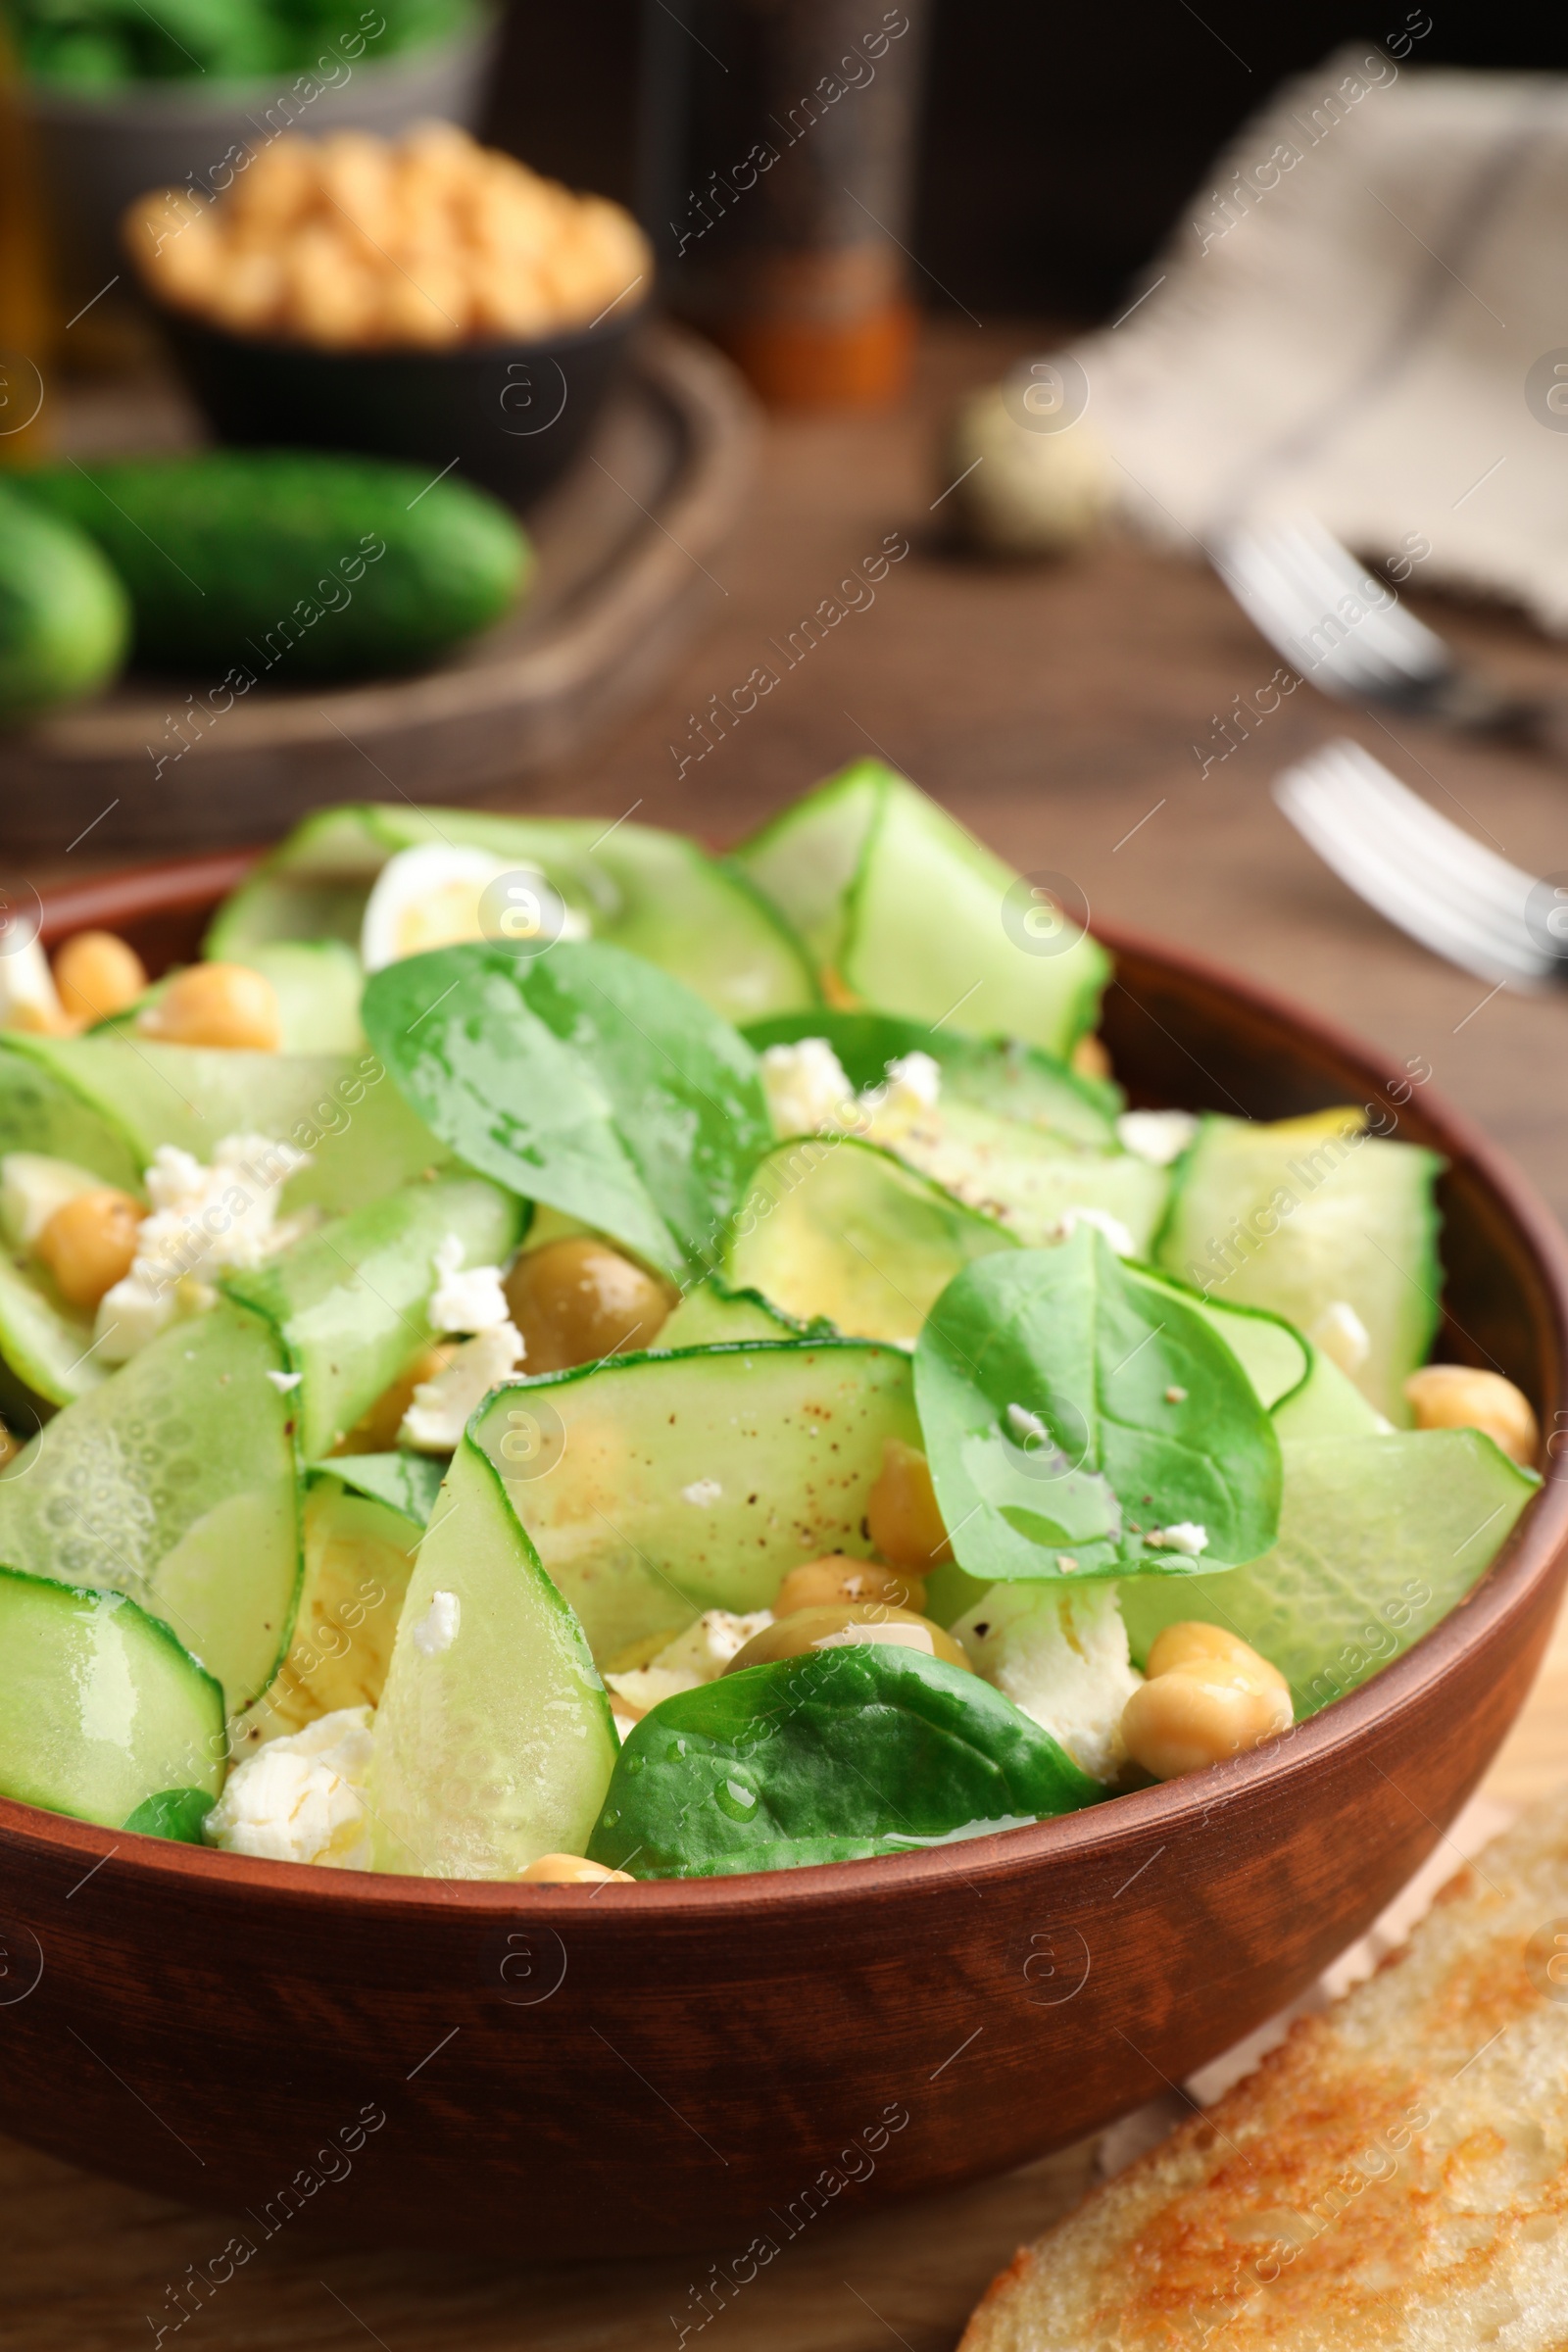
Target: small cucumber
494	1737
65	619
292	564
838	1228
102	1712
654	1487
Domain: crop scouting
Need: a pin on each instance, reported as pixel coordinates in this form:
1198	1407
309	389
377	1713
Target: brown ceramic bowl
550	2072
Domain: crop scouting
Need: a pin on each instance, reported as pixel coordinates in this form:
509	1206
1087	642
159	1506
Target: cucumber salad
549	1355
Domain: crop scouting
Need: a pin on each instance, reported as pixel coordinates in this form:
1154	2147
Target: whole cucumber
292	564
65	619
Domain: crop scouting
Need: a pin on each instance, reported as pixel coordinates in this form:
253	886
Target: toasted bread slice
1395	2173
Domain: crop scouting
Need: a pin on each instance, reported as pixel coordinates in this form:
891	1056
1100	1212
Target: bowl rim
1527	1561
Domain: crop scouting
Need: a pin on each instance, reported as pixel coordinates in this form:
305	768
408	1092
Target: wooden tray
623	586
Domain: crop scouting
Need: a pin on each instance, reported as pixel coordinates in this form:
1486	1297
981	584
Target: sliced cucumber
494	1739
1380	1537
101	1710
654	1487
1001	1075
351	1303
319	984
1029	1181
358	1557
1300	1215
637	887
711	1314
1327	1403
175	1483
908	912
46	1345
838	1228
408	1482
806	857
40	1112
340	1107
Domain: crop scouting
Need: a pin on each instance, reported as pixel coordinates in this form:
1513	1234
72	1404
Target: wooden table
1067	714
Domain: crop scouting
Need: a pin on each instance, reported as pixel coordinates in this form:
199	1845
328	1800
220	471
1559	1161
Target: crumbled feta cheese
466	1297
1060	1652
437	1629
624	1724
703	1492
282	1381
438	1415
1112	1228
202	1219
805	1087
31	1188
1342	1336
698	1656
914	1081
301	1798
1026	1425
1175	1395
1160	1136
1183	1534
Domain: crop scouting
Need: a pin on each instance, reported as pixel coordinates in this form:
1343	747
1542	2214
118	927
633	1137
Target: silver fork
1346	629
1437	883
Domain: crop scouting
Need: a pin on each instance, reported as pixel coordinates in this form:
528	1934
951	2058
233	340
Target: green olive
843	1621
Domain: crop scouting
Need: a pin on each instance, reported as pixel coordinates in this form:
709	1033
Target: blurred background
774	408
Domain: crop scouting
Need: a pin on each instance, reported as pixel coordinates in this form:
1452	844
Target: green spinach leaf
583	1077
829	1757
1083	1421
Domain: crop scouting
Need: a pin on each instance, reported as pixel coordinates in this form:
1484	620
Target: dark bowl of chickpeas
545	2071
424	299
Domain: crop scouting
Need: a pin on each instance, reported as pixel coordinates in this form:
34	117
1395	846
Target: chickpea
570	1870
376	1430
902	1513
1208	1696
1456	1396
217	1004
89	1243
10	1446
818	1584
577	1300
1090	1058
845	1622
98	974
1209	1650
